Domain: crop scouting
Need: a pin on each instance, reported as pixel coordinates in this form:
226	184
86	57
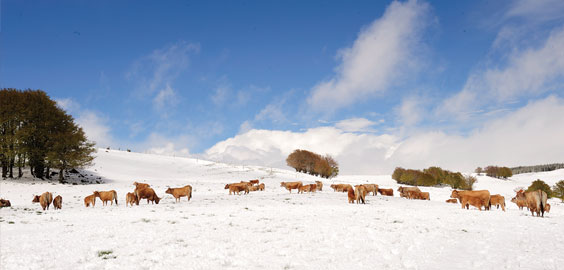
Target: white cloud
528	72
530	135
171	146
95	125
536	10
382	52
221	94
410	111
165	98
357	152
356	125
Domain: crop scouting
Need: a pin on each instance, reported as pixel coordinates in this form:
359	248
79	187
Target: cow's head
226	186
35	199
282	184
455	194
157	199
169	191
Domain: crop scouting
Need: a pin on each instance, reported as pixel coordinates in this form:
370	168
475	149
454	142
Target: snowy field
267	230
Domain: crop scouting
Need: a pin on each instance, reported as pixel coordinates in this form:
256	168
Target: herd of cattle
535	201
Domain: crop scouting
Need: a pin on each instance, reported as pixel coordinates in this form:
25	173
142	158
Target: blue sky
389	83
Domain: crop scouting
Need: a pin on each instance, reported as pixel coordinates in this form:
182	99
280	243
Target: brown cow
319	185
360	193
404	191
424	196
88	200
341	187
261	186
371	188
291	185
386	191
536	201
253	188
312	188
185	191
254	182
476	198
44	200
58	202
139	186
351	195
413	194
5	203
106	196
451	201
498	200
237	188
306	188
149	194
520	202
131	199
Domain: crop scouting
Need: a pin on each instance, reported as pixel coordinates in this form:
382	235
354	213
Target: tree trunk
20	172
61	177
12	160
39	171
48	173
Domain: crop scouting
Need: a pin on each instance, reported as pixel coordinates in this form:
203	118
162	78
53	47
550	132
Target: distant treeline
35	132
495	171
312	163
537	168
433	176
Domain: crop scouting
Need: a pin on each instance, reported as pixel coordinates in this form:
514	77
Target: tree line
36	133
495	171
312	163
433	176
537	168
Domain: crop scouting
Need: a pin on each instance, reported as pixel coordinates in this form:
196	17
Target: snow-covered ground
267	230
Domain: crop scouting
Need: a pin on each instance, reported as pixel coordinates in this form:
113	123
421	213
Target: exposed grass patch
11	222
146	220
106	254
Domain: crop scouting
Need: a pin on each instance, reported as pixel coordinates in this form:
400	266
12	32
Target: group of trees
433	176
537	168
495	171
35	132
312	163
556	191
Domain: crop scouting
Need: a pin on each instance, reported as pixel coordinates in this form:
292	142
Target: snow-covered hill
267	230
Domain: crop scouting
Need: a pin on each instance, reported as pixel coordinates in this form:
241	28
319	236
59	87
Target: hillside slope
270	229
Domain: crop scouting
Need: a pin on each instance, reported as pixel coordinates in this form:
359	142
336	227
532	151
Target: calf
371	188
58	202
351	195
44	200
253	188
106	196
519	202
254	182
319	185
149	194
261	186
291	185
451	201
306	188
424	196
130	199
185	191
386	191
477	198
498	201
237	188
5	203
88	200
312	187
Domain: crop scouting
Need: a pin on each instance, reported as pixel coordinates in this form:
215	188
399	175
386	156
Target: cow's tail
190	195
115	197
